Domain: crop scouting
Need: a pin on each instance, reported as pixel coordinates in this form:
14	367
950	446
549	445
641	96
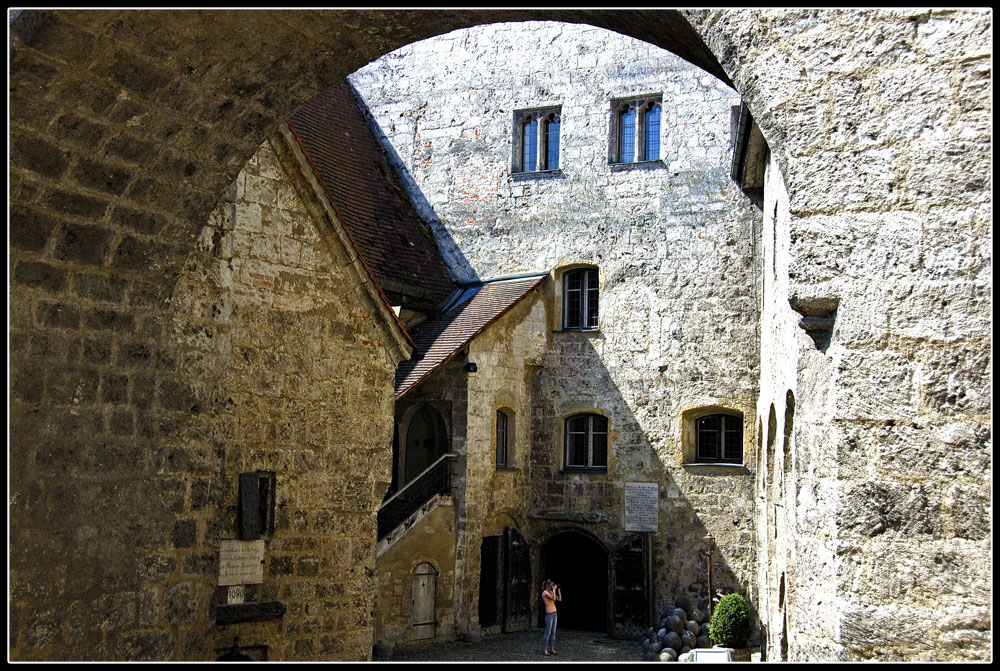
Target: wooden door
422	607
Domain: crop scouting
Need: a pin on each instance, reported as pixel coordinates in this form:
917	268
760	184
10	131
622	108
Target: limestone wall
267	355
673	242
432	541
505	354
875	506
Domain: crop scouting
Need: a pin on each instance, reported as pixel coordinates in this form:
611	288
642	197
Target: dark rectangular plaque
250	525
249	612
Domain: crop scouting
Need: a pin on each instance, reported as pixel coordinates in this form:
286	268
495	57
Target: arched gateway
133	407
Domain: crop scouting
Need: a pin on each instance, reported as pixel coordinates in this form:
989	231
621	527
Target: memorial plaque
642	506
241	562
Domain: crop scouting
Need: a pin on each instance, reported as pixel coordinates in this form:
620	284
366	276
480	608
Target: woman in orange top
550	595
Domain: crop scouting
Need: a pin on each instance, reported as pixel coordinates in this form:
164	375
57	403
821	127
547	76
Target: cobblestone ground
524	646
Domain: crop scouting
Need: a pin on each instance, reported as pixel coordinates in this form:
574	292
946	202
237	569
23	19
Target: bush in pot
730	626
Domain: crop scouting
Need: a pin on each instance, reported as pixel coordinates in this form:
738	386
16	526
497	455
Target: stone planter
735	654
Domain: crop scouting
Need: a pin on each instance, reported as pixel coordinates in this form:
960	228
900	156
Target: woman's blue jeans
549	637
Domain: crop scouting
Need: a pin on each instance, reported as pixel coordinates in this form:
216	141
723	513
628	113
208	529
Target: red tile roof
394	243
439	339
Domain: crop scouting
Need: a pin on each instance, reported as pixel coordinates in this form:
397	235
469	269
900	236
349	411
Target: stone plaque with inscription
642	506
241	562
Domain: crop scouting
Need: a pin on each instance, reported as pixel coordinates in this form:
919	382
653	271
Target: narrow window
552	143
586	445
530	160
719	439
536	140
652	122
626	147
502	453
635	130
581	299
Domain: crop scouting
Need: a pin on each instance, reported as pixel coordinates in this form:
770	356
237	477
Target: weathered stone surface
672	241
867	113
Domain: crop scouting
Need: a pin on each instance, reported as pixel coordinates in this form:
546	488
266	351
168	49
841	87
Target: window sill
508	468
584	331
536	174
585	471
713	464
637	165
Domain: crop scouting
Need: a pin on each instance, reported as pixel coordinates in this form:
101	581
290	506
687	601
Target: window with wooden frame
719	439
505	438
581	297
635	130
586	442
536	140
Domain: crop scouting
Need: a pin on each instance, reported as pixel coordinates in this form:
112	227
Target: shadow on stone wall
457	263
644	446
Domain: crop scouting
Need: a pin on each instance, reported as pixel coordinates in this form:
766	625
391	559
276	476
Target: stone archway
579	564
127	126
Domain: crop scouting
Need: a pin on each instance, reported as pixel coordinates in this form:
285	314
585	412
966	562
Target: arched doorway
579	564
426	440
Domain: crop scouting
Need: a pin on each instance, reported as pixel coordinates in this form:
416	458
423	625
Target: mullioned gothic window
536	140
586	442
635	130
580	299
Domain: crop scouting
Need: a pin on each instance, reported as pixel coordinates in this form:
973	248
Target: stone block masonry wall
505	354
884	510
673	241
876	118
136	423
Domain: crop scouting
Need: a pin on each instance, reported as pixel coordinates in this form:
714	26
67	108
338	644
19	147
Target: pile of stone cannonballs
680	630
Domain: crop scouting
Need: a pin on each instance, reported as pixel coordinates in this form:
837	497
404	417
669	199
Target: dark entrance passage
580	566
505	581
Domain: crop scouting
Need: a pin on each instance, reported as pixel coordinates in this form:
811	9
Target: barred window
635	130
581	296
536	140
719	439
586	442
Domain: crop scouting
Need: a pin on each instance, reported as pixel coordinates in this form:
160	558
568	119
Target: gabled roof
395	244
439	339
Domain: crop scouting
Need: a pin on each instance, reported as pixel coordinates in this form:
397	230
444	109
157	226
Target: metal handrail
432	481
448	455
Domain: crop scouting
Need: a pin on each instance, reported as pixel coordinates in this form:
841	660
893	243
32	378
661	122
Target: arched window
635	130
505	439
586	442
580	299
552	142
529	148
626	138
651	122
719	439
536	140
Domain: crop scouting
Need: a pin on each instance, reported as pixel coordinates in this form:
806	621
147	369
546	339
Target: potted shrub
730	626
